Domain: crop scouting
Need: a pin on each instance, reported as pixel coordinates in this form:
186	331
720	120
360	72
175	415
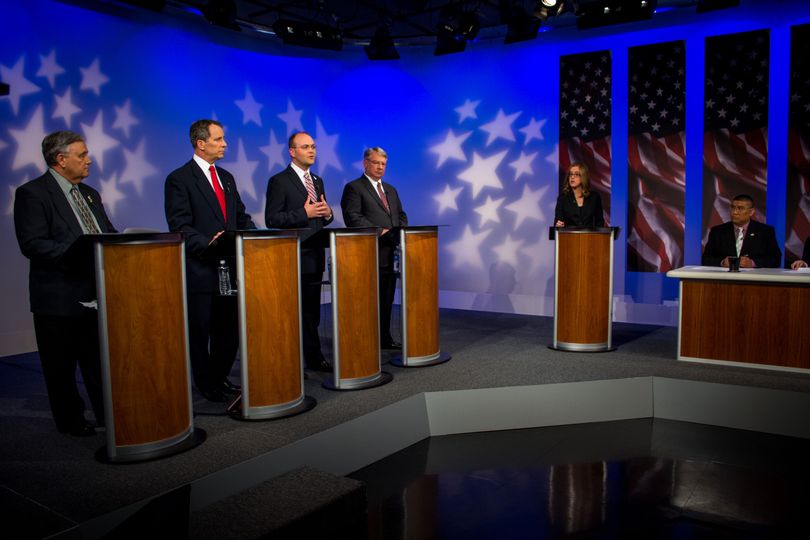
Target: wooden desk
755	318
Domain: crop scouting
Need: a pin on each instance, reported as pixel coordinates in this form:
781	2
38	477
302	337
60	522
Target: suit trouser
388	287
311	318
213	336
64	342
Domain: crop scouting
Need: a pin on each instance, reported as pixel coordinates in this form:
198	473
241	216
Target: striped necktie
739	240
310	187
84	211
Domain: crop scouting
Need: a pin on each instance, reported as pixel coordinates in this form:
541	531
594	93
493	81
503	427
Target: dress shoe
216	395
228	387
394	345
322	366
82	429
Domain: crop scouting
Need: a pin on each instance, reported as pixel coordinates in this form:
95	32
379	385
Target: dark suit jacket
285	210
46	227
759	244
362	207
589	215
192	208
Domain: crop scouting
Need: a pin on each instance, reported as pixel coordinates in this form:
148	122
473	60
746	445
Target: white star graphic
501	127
19	86
523	165
482	173
466	250
327	148
98	142
528	205
450	147
111	195
467	110
13	194
242	170
65	109
124	119
276	152
48	68
258	215
489	211
93	78
532	130
537	255
447	198
250	108
507	251
29	141
292	118
137	167
554	157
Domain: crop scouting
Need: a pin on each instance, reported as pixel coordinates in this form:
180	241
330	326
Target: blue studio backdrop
472	138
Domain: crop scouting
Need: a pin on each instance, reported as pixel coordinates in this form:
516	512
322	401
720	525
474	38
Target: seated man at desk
753	242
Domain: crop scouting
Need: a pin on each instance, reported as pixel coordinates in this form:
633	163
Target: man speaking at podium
370	202
50	214
202	202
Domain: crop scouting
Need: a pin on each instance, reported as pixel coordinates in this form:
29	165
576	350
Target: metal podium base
420	361
380	379
194	439
273	413
581	347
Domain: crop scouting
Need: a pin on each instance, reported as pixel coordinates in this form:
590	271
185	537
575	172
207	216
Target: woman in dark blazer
577	205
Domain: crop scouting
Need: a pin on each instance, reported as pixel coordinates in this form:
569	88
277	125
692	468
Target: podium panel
420	297
355	310
270	325
144	346
583	278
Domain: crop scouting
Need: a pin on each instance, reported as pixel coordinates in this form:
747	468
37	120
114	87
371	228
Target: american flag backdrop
585	106
656	156
735	139
797	210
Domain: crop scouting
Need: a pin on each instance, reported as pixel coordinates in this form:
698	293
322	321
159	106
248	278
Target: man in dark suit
753	242
370	202
201	201
50	213
296	198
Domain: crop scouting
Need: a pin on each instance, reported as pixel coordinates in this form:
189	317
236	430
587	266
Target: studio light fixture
455	29
521	26
595	13
381	46
309	34
221	13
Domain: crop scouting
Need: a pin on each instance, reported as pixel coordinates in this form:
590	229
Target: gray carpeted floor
48	476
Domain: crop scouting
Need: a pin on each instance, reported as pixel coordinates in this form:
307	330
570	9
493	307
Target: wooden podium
419	282
140	281
269	295
355	310
583	288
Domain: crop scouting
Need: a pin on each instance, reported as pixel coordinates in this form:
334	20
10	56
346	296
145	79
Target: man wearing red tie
201	201
753	242
370	202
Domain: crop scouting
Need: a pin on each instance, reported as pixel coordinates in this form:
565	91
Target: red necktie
218	191
383	198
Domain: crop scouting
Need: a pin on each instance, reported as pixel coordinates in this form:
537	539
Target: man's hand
317	209
798	264
559	223
747	262
214	239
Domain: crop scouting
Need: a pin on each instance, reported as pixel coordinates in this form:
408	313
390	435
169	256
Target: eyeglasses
574	174
305	146
740	208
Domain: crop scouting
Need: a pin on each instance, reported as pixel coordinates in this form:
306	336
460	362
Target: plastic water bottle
224	279
396	260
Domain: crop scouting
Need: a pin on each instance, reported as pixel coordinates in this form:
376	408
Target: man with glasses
753	242
370	202
296	199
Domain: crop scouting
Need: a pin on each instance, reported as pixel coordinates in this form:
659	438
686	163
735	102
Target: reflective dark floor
646	478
